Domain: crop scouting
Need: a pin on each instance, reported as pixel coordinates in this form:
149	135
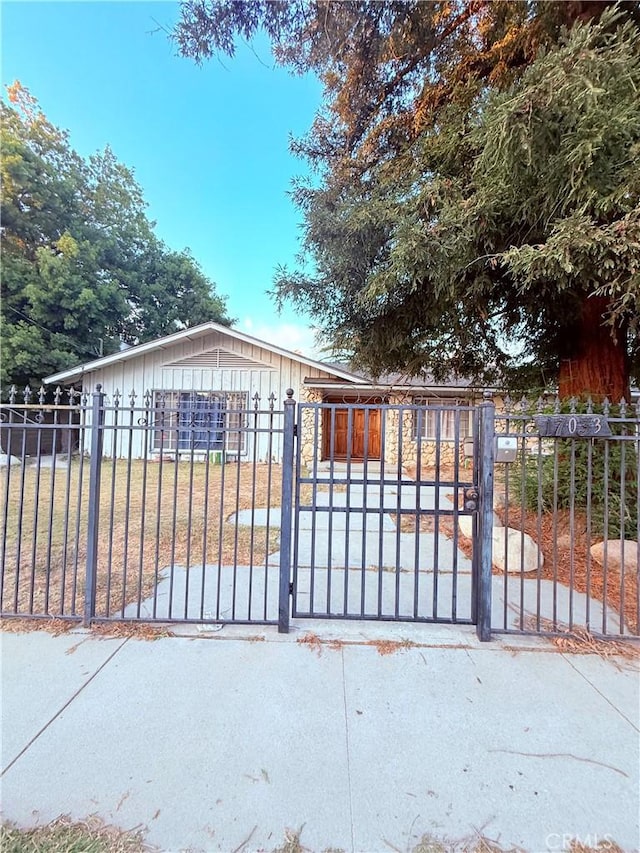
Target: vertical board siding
268	373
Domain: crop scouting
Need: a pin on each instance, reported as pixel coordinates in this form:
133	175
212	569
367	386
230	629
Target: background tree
475	207
82	268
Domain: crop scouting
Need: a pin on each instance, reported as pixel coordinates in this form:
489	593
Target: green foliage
82	269
476	203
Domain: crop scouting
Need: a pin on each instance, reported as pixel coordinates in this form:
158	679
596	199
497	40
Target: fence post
286	513
485	521
95	466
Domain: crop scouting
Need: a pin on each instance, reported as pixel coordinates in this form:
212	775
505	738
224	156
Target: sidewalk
222	742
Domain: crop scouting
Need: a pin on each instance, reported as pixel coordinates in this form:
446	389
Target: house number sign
573	426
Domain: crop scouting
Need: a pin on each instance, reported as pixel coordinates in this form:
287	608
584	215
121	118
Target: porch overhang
437	391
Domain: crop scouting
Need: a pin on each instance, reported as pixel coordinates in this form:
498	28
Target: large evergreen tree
476	207
81	267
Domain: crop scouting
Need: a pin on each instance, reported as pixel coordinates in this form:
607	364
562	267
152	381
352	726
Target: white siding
263	372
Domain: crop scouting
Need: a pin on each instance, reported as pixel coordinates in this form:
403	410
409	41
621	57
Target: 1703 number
572	426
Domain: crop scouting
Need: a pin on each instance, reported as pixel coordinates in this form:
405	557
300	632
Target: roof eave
193	332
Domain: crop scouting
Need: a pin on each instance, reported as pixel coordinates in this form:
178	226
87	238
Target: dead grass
53	626
57	627
603	846
479	843
390	647
65	836
578	641
474	844
316	643
312	641
334	488
133	630
425	523
94	836
151	516
444	472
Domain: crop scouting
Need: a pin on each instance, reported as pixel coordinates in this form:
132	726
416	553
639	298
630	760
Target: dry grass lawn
152	515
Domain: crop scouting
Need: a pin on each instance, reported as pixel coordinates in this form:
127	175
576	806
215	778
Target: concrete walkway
360	563
223	742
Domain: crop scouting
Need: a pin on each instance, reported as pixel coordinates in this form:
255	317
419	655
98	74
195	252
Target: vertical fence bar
38	419
50	515
127	499
254	478
286	512
380	514
485	543
112	499
67	504
97	421
23	470
331	413
77	520
267	529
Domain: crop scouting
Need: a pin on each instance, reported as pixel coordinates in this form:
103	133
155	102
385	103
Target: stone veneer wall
311	436
308	435
410	445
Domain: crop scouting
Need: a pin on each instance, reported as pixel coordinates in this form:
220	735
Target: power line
33	322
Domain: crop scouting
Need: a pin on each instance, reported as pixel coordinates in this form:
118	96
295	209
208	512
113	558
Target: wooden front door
364	440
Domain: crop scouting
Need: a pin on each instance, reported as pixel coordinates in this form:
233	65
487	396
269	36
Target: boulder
522	552
499	498
465	524
615	554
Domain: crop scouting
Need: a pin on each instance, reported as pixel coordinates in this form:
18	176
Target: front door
351	433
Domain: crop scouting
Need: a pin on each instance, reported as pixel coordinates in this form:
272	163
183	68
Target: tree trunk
599	364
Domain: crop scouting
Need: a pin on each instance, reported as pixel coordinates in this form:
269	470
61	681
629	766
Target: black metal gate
130	509
394	532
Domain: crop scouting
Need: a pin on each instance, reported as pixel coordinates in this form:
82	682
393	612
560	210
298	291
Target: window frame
230	408
444	408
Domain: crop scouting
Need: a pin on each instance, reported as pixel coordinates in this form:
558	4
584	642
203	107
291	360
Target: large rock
522	552
615	554
465	524
499	498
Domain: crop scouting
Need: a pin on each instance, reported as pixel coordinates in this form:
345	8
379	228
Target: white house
219	375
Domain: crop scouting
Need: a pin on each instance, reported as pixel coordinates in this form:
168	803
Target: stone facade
399	439
310	437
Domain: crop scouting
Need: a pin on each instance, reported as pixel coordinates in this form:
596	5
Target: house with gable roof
210	372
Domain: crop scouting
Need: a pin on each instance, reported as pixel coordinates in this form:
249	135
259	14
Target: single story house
210	373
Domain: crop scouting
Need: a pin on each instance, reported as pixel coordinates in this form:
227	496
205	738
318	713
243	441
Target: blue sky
208	145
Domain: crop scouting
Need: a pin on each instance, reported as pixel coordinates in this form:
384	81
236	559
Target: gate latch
471	499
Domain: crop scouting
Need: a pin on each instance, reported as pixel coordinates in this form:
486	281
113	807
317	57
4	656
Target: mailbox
506	448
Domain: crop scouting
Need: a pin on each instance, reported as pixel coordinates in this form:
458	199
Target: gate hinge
291	589
295	430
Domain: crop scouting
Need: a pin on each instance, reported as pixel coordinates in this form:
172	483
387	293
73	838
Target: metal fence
148	511
163	508
567	519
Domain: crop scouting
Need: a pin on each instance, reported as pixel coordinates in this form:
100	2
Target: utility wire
33	322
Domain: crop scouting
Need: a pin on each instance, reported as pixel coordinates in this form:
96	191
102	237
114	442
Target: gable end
219	359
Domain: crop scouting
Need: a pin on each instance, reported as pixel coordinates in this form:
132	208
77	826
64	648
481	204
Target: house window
200	420
440	419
